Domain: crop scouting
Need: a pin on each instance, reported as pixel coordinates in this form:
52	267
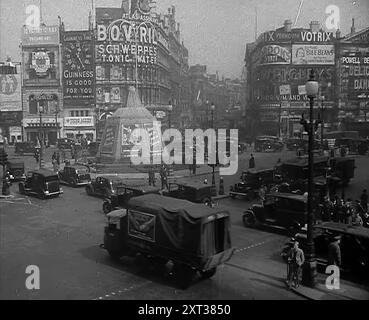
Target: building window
32	105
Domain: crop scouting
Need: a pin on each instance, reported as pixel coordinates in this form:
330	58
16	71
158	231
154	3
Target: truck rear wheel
184	275
208	273
114	255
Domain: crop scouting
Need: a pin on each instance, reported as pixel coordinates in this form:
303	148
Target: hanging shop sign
313	54
78	75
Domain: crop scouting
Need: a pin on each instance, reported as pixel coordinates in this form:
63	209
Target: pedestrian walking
58	158
252	161
364	200
327	210
334	252
295	260
348	210
55	165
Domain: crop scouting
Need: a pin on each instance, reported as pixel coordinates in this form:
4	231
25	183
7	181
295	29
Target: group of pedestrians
350	212
164	172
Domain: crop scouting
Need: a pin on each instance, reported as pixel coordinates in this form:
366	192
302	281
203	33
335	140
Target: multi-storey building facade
278	65
42	93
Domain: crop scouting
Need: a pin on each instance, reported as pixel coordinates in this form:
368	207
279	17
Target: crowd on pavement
352	212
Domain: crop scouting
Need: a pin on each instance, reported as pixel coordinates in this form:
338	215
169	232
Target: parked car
42	183
105	186
294	144
251	182
25	148
194	191
279	210
158	230
119	201
16	170
354	246
75	175
268	144
342	170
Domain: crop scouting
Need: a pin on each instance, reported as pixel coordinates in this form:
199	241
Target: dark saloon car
42	183
279	210
105	186
251	182
194	191
93	148
120	200
268	144
25	148
16	170
75	175
65	143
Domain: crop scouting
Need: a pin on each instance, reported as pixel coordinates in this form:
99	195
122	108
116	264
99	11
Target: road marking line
253	246
124	290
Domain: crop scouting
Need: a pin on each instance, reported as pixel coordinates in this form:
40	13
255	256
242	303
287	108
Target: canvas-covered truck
190	237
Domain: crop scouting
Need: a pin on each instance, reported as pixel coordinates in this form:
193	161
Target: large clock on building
78	55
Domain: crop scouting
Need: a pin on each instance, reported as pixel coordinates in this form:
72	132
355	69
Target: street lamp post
41	136
309	272
322	122
170	108
213	186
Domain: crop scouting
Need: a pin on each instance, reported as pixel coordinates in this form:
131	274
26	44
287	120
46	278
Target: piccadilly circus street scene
184	151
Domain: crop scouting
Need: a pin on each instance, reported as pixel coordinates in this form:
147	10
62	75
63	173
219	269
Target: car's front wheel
88	190
208	273
249	219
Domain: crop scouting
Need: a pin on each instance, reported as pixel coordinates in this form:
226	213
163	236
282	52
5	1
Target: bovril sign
78	121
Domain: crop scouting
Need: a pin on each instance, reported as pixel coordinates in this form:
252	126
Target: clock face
78	56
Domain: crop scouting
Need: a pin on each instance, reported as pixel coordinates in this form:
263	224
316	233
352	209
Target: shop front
48	131
11	126
80	128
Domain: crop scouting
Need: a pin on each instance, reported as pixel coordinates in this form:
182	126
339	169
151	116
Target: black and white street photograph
197	151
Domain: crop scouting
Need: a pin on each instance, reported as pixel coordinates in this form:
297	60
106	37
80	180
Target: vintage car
354	246
194	191
24	148
251	181
167	232
42	183
105	186
284	210
75	175
16	170
119	201
268	144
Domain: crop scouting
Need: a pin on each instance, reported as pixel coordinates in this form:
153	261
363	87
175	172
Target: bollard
221	186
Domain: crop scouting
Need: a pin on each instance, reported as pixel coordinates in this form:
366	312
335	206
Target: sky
214	31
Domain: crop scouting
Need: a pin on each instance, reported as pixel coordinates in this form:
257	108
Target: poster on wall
10	92
78	74
313	54
41	66
275	54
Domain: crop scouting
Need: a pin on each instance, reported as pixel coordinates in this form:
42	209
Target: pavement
347	291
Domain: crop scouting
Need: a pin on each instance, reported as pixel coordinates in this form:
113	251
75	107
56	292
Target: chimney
338	34
125	6
353	26
314	26
174	11
287	25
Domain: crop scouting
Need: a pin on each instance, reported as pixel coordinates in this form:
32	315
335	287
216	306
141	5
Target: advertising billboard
128	40
355	75
78	66
275	54
10	92
44	35
313	54
41	66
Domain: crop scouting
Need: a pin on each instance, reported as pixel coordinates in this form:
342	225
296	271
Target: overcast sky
214	31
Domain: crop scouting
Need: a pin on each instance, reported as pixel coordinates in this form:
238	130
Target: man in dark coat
364	200
334	252
252	162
